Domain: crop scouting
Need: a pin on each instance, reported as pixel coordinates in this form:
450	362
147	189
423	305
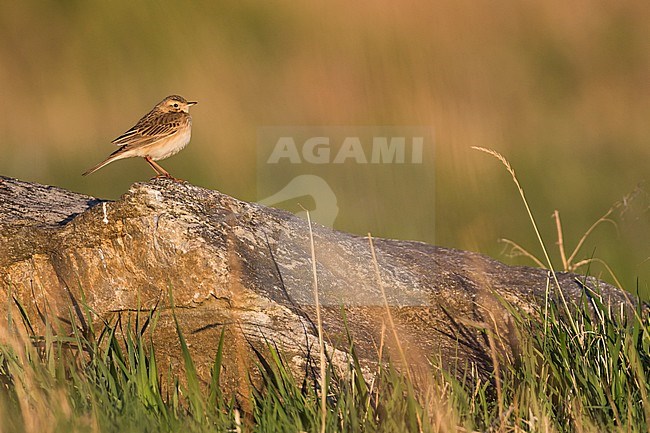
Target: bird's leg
159	170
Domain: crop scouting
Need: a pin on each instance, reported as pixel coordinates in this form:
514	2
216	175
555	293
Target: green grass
586	371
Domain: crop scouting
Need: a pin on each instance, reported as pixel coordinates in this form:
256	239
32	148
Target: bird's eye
175	105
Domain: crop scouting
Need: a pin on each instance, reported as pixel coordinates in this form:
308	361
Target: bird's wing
149	130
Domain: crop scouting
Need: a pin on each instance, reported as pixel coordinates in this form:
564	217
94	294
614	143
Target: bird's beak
190	103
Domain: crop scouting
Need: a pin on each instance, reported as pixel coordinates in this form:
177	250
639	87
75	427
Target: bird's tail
114	156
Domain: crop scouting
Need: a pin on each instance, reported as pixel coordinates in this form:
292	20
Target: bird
161	133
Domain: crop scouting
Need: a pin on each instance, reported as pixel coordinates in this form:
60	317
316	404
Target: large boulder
246	269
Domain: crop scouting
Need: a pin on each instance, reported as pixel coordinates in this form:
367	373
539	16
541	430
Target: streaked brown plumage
161	133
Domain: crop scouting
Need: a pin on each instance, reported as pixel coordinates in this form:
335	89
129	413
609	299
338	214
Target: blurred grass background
562	89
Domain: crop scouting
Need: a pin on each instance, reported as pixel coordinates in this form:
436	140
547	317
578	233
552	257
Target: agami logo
341	173
324	150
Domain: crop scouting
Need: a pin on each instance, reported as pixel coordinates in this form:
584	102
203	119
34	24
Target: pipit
161	133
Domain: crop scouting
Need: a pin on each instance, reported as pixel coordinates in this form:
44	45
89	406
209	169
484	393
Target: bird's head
175	104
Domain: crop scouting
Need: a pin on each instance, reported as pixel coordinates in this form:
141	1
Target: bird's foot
167	176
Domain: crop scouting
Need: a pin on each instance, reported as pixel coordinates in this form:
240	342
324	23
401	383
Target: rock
246	269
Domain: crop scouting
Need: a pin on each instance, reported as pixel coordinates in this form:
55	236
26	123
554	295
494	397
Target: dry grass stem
389	315
518	250
560	238
505	162
321	344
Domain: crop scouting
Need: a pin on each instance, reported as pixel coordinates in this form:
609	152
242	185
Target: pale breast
168	147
